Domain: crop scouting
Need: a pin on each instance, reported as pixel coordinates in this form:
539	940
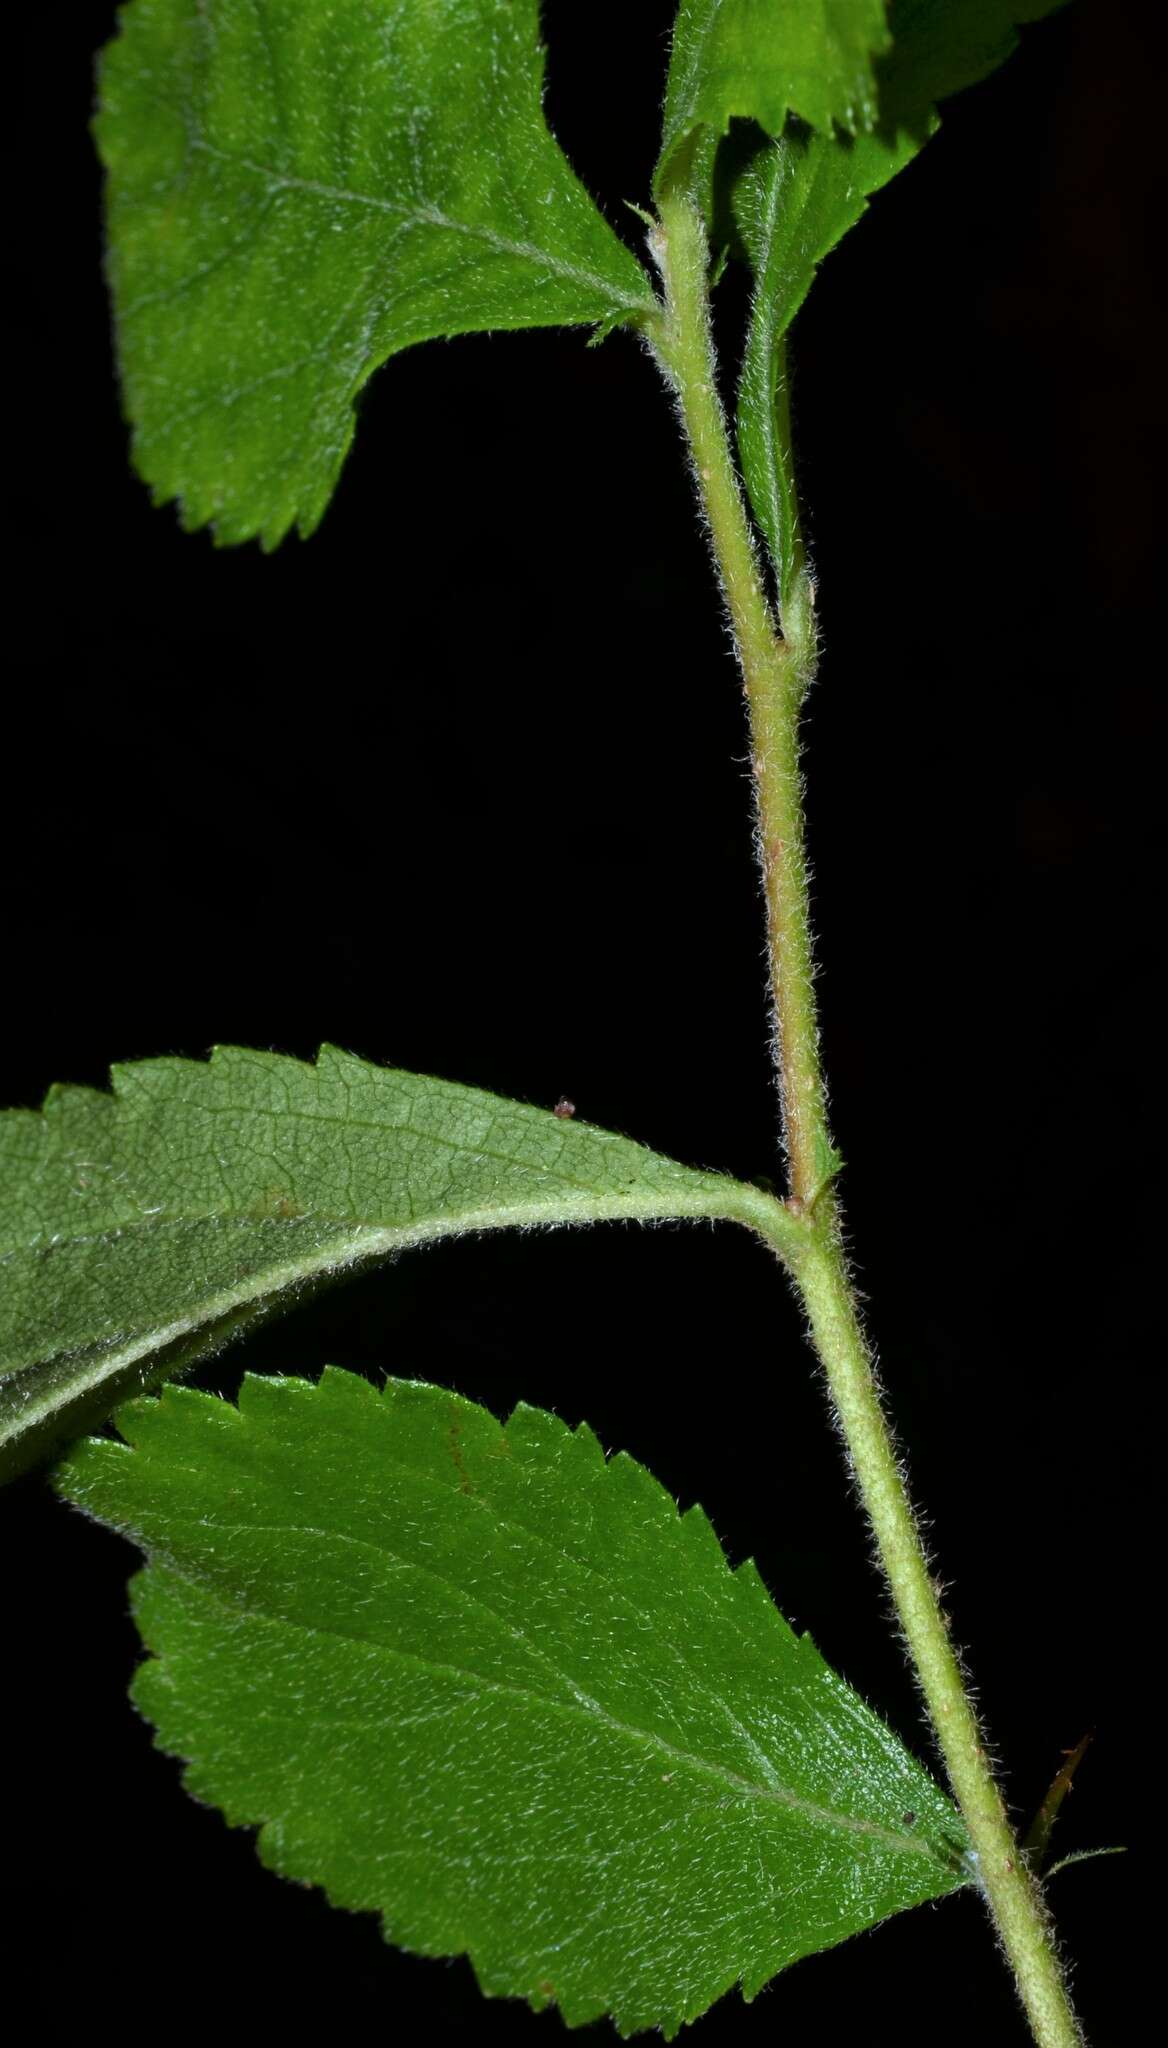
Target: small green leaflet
140	1229
795	202
492	1686
765	59
296	192
803	191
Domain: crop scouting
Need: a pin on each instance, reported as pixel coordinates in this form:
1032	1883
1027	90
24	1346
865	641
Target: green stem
776	669
775	673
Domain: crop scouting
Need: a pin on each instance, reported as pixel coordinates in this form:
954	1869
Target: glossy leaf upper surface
295	192
492	1686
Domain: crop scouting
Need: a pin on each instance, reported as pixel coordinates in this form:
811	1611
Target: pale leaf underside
490	1685
140	1228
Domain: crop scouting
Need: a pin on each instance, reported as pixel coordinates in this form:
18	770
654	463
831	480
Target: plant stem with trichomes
777	665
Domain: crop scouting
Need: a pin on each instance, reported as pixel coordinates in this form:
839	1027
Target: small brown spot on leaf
275	1205
454	1440
564	1109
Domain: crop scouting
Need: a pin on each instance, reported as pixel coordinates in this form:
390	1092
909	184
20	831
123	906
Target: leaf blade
295	194
803	191
579	1743
793	205
749	59
139	1229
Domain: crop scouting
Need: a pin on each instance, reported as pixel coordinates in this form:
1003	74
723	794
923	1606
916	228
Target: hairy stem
776	668
776	672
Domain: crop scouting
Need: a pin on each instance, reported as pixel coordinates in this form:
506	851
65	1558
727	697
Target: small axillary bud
658	244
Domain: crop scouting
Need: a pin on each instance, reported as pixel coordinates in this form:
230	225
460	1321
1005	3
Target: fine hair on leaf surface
511	1700
481	1678
144	1227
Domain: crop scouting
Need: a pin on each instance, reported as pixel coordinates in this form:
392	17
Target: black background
460	786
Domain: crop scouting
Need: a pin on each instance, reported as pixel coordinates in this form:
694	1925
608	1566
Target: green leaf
764	61
801	193
139	1230
941	46
297	192
829	1162
494	1687
794	203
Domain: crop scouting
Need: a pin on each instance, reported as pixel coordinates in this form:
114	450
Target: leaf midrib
426	214
517	1525
697	52
778	1794
762	299
764	323
358	1243
381	1130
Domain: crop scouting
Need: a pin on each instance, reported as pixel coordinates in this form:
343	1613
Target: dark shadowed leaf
762	60
804	188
